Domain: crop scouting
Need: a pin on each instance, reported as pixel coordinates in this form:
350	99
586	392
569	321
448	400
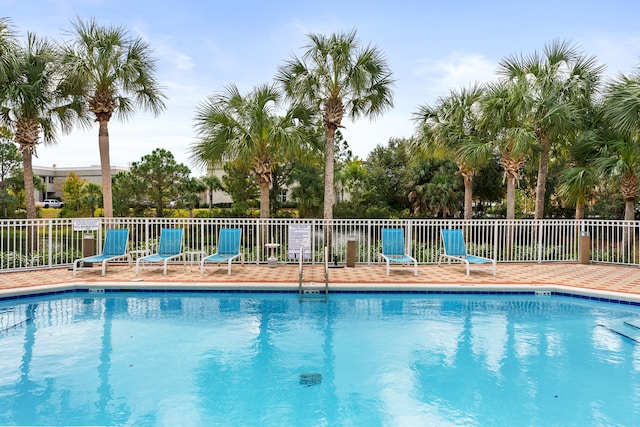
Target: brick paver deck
608	279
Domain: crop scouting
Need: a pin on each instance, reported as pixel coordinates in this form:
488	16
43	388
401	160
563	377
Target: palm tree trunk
543	168
264	198
29	190
31	237
511	197
328	185
328	172
468	195
105	167
580	210
629	210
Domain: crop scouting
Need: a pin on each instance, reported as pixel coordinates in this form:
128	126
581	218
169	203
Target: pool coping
339	288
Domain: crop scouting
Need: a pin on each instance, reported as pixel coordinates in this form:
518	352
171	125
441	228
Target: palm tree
621	156
505	110
190	196
577	186
621	161
91	197
32	105
580	180
338	78
560	83
115	74
212	183
452	129
8	46
246	129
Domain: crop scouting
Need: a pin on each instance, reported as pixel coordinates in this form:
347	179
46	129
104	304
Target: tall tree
560	82
163	179
386	180
579	180
32	105
212	183
338	77
10	161
72	192
305	182
506	108
129	195
246	128
8	48
91	197
622	155
452	130
115	74
240	184
620	162
436	188
190	196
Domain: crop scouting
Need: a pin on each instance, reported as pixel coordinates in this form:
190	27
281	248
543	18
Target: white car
52	203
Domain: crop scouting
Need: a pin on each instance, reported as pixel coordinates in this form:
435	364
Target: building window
50	179
283	196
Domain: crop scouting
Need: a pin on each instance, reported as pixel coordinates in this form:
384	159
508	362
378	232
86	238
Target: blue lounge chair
170	248
115	247
393	249
228	249
454	249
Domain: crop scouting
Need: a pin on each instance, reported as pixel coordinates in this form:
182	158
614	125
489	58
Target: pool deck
593	280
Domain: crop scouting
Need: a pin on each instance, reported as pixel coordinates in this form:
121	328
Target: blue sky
432	47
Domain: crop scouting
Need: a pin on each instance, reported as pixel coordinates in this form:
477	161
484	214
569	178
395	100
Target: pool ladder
311	291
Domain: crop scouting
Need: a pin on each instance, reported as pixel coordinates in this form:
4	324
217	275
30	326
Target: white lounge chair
454	249
393	249
170	248
228	249
115	247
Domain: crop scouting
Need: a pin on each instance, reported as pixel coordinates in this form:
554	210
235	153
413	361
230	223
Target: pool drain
309	378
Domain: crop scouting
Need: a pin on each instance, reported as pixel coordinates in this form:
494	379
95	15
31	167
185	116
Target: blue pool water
171	359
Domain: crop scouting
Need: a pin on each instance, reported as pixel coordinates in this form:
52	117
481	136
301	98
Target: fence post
50	239
585	247
496	246
540	239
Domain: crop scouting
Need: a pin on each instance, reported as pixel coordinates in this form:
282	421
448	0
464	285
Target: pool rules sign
299	241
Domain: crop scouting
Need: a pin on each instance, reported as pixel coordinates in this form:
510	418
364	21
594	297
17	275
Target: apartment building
54	178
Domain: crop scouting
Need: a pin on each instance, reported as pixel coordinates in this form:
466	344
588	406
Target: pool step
313	292
634	322
627	327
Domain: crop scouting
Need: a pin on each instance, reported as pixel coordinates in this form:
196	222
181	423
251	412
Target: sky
432	47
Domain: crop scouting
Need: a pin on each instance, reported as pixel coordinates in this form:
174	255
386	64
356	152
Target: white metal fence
49	243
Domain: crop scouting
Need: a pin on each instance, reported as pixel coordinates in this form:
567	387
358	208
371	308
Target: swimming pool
361	359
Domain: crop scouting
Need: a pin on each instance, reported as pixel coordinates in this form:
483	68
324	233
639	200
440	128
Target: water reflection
226	359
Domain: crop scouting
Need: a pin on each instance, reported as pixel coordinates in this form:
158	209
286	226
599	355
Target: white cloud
455	71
